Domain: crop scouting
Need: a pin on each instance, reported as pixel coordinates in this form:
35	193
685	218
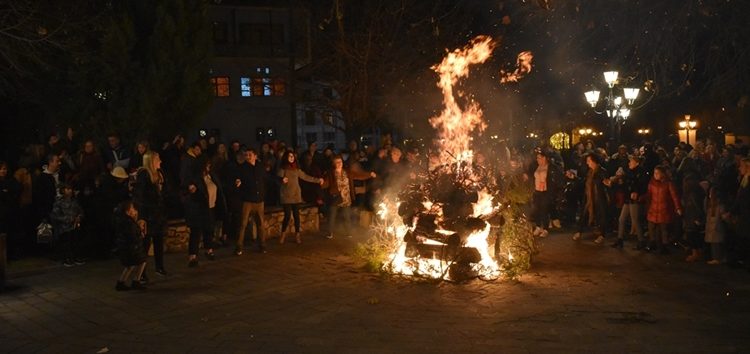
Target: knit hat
119	172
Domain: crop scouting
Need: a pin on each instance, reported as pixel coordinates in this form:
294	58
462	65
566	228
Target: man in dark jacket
619	159
189	165
635	185
396	169
250	182
115	154
229	175
45	187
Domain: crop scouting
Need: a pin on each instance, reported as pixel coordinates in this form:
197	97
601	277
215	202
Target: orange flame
454	124
523	68
483	206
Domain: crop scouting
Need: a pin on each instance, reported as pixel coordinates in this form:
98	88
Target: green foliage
517	240
373	254
516	237
515	191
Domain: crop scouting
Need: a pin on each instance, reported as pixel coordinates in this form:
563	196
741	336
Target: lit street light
614	106
588	132
687	124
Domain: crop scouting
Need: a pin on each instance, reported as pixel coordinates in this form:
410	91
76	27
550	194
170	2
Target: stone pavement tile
298	300
12	345
28	347
31	329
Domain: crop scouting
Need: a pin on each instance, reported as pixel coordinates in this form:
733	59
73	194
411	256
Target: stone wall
309	221
178	234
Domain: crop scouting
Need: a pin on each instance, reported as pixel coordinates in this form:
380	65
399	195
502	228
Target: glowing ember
523	68
483	206
487	267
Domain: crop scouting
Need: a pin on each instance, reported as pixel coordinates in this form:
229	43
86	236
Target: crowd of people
83	202
73	201
692	197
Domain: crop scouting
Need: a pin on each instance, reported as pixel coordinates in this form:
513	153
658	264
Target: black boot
121	286
618	244
136	285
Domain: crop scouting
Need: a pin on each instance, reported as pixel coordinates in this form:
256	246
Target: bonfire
449	223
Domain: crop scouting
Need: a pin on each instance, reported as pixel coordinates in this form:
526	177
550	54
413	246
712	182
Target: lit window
257	87
245	87
262	86
279	87
220	85
267	87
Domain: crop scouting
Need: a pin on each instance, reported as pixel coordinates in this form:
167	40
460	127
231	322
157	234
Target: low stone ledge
178	233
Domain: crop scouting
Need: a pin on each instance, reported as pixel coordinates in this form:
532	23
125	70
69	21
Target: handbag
44	232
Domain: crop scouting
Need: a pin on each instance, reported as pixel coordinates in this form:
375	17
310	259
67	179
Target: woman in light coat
290	192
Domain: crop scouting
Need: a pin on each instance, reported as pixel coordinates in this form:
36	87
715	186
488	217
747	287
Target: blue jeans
346	213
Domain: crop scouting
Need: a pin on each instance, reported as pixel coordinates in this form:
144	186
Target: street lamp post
614	106
687	124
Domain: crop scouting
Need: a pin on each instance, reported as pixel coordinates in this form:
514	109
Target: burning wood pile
453	226
447	223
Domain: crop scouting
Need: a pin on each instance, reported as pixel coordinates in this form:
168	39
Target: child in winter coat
663	207
130	232
715	228
66	218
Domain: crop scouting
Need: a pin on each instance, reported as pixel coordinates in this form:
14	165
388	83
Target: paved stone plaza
580	297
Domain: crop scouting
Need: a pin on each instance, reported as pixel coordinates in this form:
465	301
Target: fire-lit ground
310	298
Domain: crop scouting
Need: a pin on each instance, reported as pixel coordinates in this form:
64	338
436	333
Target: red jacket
663	201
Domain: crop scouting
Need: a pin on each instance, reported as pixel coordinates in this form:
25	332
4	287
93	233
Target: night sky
686	53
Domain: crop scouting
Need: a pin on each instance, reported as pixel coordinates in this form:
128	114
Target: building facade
257	50
316	121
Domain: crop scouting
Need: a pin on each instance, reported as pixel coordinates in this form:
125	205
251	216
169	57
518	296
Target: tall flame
454	124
